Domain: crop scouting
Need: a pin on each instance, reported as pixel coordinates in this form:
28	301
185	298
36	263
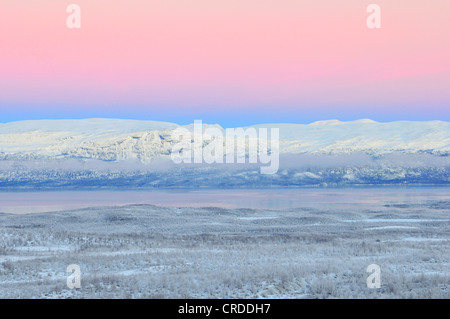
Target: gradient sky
232	62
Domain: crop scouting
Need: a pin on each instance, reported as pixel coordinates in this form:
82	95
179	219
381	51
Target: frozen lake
349	198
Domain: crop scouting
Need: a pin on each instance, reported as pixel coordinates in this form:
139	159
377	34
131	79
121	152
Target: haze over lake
364	198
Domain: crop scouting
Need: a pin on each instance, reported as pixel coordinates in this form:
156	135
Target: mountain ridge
116	140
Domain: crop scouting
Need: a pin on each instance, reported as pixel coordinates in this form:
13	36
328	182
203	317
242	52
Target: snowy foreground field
144	251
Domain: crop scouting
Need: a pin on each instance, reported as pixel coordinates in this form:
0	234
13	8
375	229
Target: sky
233	62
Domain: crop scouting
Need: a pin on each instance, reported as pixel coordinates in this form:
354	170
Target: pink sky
276	56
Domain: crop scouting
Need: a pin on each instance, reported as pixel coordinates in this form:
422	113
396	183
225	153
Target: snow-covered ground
144	251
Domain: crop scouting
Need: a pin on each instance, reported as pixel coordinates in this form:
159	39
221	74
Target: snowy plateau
114	153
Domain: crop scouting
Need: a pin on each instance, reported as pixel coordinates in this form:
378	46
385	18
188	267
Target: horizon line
361	120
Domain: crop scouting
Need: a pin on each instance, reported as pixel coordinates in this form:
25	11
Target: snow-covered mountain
129	153
365	136
113	140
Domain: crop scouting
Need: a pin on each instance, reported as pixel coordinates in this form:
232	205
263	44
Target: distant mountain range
115	153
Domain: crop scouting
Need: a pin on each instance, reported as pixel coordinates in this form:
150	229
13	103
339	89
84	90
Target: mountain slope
103	153
112	140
